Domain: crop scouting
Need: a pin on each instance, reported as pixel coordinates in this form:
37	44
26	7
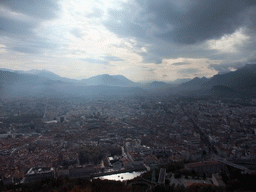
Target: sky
143	40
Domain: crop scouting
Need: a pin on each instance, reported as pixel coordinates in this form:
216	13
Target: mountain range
43	82
50	75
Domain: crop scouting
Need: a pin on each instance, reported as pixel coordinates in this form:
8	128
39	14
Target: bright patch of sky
229	43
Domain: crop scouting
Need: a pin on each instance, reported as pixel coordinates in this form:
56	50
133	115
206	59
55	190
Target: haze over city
142	40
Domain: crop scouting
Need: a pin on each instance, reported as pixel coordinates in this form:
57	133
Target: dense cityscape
79	137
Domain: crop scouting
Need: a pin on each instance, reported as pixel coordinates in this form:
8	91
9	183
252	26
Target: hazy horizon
36	71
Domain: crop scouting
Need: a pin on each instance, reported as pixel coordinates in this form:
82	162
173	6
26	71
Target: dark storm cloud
178	28
199	20
20	28
183	22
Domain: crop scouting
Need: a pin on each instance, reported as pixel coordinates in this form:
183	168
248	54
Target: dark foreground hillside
68	185
97	185
235	182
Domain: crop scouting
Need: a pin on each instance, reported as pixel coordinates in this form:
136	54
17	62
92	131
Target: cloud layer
141	39
181	28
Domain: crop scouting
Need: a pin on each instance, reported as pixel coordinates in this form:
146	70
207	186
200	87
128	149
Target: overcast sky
140	39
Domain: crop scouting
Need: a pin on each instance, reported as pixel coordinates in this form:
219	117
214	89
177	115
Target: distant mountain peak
194	84
202	78
111	80
50	75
